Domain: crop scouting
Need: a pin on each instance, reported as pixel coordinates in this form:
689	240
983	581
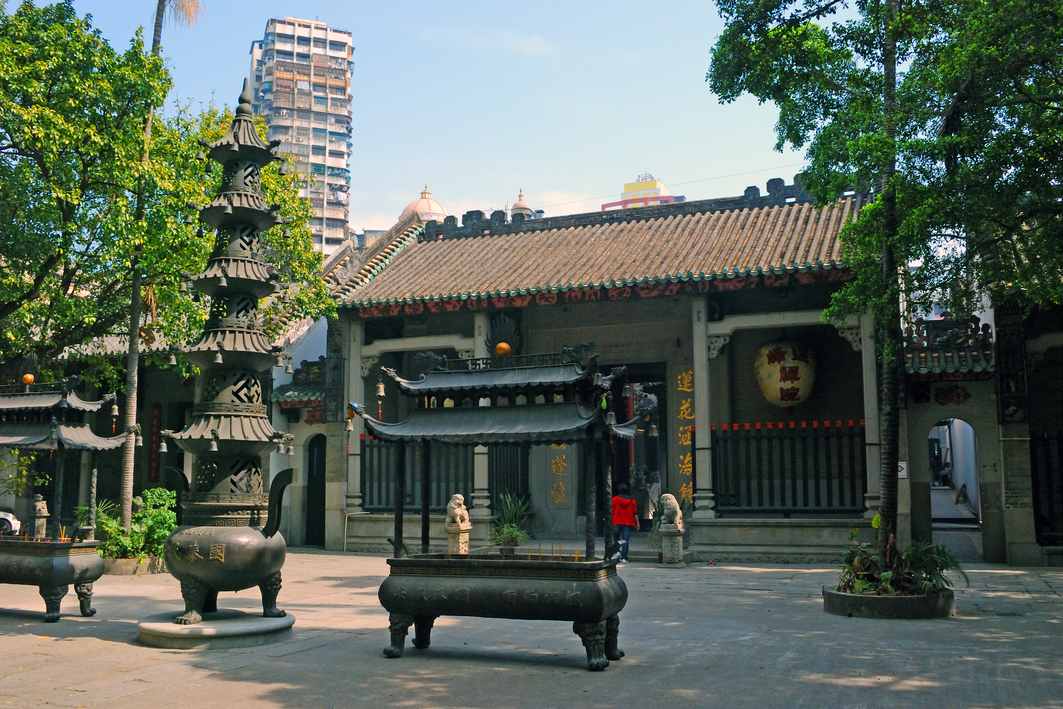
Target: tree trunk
889	328
132	364
133	353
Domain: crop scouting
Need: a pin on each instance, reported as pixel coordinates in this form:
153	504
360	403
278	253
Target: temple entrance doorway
955	509
315	492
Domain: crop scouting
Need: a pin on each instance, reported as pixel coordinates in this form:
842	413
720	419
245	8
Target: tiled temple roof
691	241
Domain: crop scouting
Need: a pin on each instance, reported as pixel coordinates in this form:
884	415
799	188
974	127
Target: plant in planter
909	584
152	522
920	569
511	524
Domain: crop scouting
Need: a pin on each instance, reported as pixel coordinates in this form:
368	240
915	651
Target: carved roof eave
540	377
949	360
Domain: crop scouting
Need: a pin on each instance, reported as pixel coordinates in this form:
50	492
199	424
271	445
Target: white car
9	524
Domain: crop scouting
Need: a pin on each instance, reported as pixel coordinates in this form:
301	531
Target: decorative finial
244	109
521	196
426	194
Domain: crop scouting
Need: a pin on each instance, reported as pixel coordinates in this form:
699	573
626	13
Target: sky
565	100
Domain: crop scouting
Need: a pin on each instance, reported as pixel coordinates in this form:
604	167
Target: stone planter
52	567
938	605
133	567
588	594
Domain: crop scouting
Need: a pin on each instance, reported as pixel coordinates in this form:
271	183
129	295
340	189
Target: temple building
768	417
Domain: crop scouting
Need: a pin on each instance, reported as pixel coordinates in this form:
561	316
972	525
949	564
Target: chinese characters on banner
685	385
558	469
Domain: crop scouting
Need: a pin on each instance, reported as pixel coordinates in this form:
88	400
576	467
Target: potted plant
139	547
511	524
910	583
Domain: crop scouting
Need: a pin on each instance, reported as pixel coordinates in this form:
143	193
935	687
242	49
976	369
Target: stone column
355	392
481	498
872	432
335	430
704	498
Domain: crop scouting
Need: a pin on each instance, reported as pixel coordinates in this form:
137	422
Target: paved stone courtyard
722	636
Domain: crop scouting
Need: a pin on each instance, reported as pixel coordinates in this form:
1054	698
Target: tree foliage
71	131
72	117
979	134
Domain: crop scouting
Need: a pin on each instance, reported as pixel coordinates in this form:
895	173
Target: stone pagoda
230	428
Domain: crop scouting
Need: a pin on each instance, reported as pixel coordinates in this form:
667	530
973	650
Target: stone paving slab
728	635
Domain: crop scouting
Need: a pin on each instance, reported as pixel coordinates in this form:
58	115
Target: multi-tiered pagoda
230	428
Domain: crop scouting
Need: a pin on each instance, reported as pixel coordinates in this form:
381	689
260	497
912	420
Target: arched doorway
954	501
315	492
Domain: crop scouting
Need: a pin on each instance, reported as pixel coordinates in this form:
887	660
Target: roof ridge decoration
349	282
474	223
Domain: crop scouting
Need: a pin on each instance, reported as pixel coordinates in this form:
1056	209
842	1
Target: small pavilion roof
46	400
565	422
552	376
38	436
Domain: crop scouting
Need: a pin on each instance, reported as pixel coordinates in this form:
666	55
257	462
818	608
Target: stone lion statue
672	514
456	512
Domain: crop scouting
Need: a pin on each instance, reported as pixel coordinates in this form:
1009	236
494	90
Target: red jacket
624	510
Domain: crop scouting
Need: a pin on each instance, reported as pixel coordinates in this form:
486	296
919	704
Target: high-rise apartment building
301	80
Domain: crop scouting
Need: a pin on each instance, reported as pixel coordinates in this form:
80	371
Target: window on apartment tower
321	101
320	88
317	150
337	46
283	54
337	91
319	43
302	41
285	38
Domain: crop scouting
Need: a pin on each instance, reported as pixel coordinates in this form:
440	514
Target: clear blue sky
567	100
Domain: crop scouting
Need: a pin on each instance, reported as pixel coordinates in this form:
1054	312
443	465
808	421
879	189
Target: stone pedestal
458	537
671	544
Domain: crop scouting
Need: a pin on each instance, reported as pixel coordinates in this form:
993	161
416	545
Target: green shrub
512	521
508	535
152	522
920	569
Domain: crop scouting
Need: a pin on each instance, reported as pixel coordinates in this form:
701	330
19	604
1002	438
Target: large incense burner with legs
586	592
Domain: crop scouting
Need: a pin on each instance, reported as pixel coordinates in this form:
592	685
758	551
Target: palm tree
182	12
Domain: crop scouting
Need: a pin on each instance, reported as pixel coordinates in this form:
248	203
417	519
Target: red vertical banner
155	439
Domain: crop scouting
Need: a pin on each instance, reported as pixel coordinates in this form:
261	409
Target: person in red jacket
625	518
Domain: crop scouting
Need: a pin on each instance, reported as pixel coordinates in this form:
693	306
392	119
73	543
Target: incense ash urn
229	541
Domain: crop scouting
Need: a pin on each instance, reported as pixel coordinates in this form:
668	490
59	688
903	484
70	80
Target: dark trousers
622	535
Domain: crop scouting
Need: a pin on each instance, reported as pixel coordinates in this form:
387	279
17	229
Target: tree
960	149
71	118
85	209
182	12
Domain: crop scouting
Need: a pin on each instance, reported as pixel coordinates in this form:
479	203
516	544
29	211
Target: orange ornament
28	378
502	349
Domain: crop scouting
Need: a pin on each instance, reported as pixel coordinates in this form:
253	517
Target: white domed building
427	208
522	207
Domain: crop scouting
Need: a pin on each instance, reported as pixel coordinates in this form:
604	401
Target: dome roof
520	206
426	207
